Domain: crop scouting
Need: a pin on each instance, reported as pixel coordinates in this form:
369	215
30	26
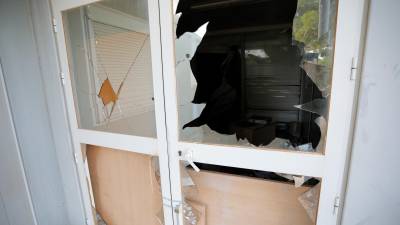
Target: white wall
15	200
31	74
373	194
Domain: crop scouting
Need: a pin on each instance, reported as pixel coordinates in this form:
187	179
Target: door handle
187	155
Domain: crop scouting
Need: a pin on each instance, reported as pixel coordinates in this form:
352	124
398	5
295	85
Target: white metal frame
144	145
329	166
115	18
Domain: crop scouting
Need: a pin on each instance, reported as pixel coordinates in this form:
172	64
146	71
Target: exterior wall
373	195
29	61
15	200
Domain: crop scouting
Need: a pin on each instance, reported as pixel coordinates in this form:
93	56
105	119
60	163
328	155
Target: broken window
255	72
110	65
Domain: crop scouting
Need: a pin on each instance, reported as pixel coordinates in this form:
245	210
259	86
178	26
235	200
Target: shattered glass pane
259	78
314	28
309	200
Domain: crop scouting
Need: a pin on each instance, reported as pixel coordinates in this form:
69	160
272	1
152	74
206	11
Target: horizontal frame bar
144	145
280	161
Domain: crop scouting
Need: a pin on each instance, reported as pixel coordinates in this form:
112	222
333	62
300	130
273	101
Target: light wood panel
236	200
124	186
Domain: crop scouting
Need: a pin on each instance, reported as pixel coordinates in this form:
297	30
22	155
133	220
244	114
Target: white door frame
150	146
329	166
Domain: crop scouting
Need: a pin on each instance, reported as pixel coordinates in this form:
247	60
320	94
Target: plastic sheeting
100	220
190	215
309	200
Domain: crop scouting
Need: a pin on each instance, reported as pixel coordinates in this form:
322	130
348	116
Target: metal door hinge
55	27
76	158
62	77
354	69
336	205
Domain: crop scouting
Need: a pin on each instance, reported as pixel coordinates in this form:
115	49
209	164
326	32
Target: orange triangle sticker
107	93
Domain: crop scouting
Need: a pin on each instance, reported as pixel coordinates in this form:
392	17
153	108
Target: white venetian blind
115	51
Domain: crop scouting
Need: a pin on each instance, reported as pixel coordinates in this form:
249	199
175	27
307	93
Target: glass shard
318	106
320	75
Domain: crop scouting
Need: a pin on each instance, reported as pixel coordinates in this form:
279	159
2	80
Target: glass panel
126	187
254	73
109	55
225	195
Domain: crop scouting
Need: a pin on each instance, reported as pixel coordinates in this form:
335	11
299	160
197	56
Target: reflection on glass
313	27
254	73
110	65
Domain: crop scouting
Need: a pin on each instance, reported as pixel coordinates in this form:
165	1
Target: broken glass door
254	73
110	57
248	94
248	87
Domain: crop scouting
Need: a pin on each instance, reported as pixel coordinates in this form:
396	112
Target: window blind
115	50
